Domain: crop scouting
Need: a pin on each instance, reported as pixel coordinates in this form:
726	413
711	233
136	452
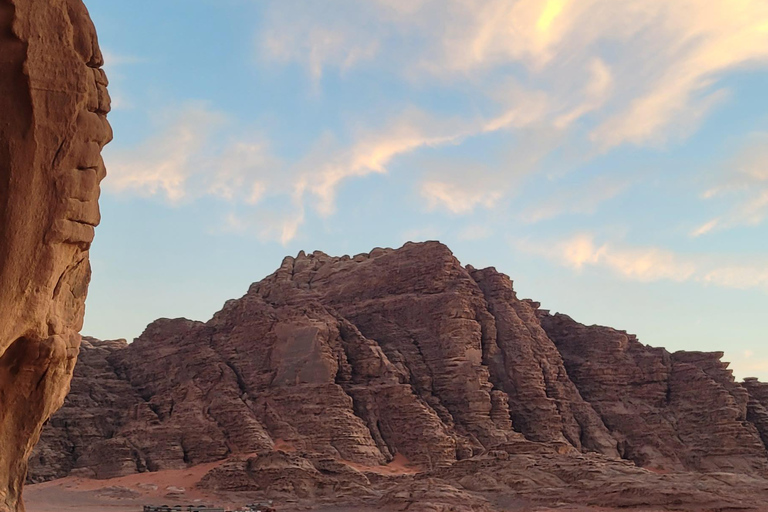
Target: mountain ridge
397	352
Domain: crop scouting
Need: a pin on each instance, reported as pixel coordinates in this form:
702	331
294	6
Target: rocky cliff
53	106
331	365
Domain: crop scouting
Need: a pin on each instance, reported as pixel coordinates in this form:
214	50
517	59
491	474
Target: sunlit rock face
53	106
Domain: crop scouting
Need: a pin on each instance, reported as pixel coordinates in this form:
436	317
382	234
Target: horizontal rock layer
394	353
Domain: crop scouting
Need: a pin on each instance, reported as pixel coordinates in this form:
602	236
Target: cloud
652	66
267	223
542	73
323	170
454	187
596	92
583	198
118	59
189	158
342	41
475	232
186	159
164	164
113	65
648	264
744	185
456	198
422	234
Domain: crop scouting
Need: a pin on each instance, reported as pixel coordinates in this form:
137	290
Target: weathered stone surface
331	368
283	475
473	352
540	478
544	403
97	407
757	406
422	308
669	411
54	102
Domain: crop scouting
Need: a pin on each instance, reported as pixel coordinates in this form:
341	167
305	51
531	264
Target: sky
611	156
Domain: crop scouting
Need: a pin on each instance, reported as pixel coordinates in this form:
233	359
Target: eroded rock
667	411
333	371
54	102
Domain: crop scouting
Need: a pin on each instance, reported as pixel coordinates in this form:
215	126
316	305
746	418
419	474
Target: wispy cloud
648	264
163	165
112	59
542	73
186	160
458	198
672	54
475	232
583	198
322	171
190	158
114	64
341	41
744	184
267	223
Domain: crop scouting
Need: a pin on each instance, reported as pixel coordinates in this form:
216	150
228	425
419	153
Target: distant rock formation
53	106
401	353
667	411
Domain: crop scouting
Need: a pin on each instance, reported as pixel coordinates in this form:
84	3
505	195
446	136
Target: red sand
399	466
121	494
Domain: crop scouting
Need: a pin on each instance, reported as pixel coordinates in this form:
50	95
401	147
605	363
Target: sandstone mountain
333	367
53	107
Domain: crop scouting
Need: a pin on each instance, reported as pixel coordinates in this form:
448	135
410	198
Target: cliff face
53	104
668	411
397	352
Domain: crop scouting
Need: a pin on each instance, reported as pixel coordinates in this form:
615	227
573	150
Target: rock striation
757	406
54	102
668	411
332	369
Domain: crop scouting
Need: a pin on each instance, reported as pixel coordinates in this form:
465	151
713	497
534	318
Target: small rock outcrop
757	406
54	102
332	370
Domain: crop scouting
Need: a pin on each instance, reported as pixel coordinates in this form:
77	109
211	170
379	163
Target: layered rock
398	353
544	403
669	411
54	103
757	406
84	430
475	353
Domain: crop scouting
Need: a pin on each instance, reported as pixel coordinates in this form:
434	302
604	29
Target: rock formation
54	103
668	411
333	367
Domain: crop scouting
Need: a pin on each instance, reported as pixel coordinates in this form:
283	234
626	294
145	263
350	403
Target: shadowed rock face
397	352
54	103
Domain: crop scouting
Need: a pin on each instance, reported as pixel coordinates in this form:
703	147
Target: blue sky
611	156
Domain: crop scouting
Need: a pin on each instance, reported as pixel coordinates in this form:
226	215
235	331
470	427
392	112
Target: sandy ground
177	487
130	493
127	493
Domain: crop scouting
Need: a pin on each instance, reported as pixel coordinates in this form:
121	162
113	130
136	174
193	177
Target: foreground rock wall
54	103
396	353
